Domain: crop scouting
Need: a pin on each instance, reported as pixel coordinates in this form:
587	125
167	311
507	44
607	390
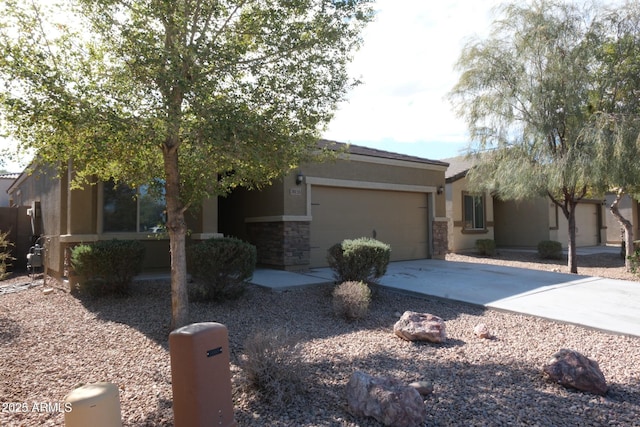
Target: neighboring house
6	179
470	215
629	210
15	223
525	223
367	192
514	223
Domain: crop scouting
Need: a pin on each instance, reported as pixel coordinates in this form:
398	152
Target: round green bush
220	268
107	267
550	249
362	259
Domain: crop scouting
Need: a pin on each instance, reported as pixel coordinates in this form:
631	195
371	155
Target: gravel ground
51	343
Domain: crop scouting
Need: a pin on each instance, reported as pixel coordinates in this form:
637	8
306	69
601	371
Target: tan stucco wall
460	240
71	217
629	210
47	188
521	223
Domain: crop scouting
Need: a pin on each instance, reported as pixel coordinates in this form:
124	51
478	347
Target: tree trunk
177	229
568	207
573	256
626	224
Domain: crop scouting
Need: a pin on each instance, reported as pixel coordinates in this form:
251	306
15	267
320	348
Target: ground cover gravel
50	343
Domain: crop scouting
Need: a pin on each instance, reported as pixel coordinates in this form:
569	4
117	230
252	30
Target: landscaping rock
481	330
571	369
425	388
386	400
414	326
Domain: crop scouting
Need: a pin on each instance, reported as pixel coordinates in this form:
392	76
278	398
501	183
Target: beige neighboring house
470	215
521	224
629	209
526	223
365	192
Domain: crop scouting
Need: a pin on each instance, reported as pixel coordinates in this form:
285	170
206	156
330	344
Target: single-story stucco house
392	197
514	223
470	215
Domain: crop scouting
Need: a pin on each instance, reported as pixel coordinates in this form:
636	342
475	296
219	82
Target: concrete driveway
605	304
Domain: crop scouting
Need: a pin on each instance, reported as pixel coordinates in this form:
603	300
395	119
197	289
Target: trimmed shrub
359	260
5	255
351	300
550	249
486	247
220	268
107	267
272	363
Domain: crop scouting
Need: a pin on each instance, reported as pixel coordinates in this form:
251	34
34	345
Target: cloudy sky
407	67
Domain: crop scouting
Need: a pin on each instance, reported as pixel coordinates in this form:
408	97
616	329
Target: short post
96	405
200	376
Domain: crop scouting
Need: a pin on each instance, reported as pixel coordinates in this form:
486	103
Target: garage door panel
397	218
587	226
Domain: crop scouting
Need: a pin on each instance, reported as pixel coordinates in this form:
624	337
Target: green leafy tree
524	93
204	95
615	127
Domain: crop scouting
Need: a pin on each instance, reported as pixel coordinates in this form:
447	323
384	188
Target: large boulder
414	326
571	369
385	399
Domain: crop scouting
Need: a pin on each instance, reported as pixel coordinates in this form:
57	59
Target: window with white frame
126	209
473	212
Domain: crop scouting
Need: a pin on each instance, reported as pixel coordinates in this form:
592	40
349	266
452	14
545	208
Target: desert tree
524	93
198	95
614	129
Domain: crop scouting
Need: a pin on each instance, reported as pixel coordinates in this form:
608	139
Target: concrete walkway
605	304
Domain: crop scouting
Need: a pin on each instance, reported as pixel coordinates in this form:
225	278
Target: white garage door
397	218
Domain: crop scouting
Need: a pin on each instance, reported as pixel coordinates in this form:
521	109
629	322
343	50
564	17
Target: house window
473	212
126	209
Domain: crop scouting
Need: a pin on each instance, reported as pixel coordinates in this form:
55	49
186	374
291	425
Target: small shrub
107	267
486	247
351	300
5	255
550	249
220	268
359	260
634	261
272	363
623	248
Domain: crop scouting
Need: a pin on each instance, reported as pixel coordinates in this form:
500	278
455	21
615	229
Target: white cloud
407	67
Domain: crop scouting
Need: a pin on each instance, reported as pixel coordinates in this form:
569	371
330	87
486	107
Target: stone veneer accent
281	244
440	239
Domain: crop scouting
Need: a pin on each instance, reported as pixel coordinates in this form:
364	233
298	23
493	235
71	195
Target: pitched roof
458	168
9	175
373	152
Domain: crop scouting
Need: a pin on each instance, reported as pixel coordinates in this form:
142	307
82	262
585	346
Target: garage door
587	227
397	218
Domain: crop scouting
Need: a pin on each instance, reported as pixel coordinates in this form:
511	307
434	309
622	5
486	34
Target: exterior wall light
299	178
440	189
